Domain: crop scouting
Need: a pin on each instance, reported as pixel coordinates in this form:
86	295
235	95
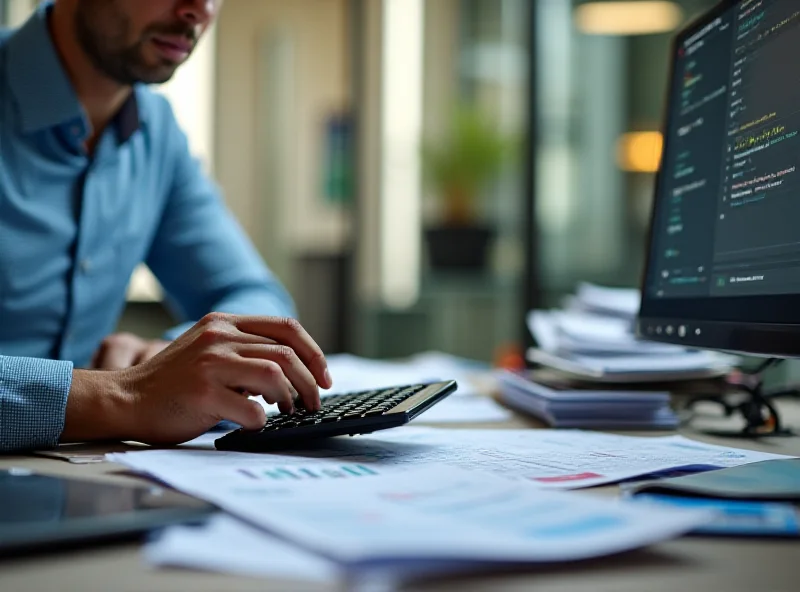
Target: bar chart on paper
296	473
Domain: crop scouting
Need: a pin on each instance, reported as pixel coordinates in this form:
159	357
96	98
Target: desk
707	564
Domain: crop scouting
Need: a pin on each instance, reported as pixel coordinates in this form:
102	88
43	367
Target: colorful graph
305	473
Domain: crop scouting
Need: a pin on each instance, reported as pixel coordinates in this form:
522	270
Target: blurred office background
421	172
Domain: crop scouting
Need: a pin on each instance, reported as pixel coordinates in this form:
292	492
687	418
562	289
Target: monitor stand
759	413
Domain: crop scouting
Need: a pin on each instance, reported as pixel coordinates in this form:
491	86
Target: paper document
590	334
203	441
244	468
560	403
352	373
689	365
564	459
227	545
445	514
623	302
476	409
568	459
594	338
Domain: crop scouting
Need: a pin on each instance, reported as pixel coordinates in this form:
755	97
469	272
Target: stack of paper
600	375
593	338
564	404
423	520
413	501
227	545
614	302
447	516
566	459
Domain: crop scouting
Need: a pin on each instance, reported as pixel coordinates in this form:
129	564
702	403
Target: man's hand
123	350
201	378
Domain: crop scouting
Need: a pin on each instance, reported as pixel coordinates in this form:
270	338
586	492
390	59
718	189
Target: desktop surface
689	563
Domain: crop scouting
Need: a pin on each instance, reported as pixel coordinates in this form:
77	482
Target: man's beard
102	34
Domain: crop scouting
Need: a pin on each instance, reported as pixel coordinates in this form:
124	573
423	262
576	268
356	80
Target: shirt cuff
33	402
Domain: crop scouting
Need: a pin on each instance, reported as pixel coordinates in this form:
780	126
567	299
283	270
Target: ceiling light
637	17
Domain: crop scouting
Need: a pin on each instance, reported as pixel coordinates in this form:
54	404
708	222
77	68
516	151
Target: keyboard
346	414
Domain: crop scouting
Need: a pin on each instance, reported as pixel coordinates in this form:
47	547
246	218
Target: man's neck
100	96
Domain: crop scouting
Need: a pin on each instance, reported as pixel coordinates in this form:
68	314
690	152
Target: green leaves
470	155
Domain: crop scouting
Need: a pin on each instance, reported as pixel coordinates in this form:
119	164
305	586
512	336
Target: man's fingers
290	333
239	409
298	374
284	407
256	376
152	350
117	353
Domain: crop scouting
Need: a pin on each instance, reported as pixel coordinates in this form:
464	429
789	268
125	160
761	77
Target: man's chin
158	75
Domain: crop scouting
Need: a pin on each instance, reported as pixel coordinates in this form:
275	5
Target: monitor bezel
773	326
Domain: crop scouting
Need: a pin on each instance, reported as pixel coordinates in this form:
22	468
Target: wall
282	72
313	38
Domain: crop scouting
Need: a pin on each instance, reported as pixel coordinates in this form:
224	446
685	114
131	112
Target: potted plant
457	170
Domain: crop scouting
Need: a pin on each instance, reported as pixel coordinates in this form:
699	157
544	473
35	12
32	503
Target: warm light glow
635	17
144	286
401	124
640	152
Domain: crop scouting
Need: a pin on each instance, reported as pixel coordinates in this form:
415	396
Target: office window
600	89
466	254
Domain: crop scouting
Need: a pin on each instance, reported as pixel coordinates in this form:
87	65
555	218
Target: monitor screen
723	265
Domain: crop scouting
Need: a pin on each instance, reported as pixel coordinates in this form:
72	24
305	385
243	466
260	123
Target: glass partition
601	74
466	244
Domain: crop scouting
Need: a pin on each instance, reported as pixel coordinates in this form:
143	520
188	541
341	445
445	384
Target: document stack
595	373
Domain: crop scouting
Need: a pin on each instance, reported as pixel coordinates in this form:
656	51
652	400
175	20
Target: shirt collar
43	92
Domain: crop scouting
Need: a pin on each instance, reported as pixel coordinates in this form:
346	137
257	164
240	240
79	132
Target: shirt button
85	265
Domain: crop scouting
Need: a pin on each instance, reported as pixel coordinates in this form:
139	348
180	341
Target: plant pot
462	248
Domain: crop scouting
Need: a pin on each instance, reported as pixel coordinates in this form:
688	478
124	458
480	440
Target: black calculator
341	415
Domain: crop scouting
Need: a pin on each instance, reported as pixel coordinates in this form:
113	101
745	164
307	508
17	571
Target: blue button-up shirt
73	226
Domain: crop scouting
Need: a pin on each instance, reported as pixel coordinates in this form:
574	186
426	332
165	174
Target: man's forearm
171	398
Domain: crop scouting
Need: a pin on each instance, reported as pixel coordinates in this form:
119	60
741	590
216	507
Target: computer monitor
723	265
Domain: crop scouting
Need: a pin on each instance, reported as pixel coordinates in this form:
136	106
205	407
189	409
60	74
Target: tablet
40	511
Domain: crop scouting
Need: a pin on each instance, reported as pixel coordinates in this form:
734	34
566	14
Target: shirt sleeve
33	402
202	256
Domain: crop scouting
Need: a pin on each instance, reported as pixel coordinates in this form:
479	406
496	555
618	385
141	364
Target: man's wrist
98	407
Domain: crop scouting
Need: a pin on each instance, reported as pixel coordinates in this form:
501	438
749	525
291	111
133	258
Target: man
95	177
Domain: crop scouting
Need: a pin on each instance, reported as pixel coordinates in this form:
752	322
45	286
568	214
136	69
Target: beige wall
191	92
313	34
